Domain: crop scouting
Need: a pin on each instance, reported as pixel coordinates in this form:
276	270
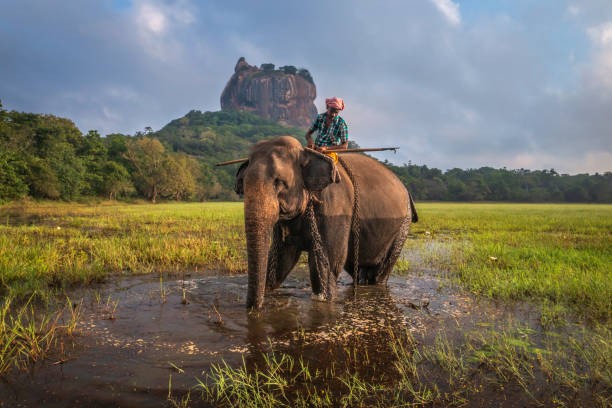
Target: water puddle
137	332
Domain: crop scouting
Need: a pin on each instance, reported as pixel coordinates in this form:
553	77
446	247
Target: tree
576	194
13	168
94	154
42	180
116	146
116	180
69	170
289	69
179	181
305	74
12	176
147	156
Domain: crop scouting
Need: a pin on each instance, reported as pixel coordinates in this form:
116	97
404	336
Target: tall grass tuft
29	334
473	366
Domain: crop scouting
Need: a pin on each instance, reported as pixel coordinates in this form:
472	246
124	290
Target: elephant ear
318	170
239	186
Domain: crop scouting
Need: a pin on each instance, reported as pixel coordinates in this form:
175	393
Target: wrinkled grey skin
276	183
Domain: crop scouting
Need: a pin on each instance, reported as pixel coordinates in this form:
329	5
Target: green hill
220	136
213	137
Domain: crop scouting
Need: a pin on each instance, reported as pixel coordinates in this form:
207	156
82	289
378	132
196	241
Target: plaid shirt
335	134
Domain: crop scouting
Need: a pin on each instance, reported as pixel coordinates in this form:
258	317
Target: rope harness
355	226
277	241
321	260
320	256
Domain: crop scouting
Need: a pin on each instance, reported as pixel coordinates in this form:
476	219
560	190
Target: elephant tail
413	212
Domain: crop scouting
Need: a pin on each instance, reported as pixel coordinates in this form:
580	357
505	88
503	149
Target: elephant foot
319	297
367	275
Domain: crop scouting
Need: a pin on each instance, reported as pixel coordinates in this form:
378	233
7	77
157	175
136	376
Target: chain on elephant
321	261
355	227
277	241
320	256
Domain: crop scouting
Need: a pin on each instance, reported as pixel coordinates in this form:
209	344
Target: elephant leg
393	254
362	273
367	275
287	256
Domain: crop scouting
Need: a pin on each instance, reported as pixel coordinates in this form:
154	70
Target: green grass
557	253
555	256
46	247
55	245
478	367
30	333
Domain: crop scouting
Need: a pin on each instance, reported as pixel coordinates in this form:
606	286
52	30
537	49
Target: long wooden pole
356	150
225	163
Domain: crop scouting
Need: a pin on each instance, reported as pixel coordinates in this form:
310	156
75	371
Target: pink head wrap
335	102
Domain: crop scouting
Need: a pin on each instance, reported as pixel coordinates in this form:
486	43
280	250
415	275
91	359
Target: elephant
296	199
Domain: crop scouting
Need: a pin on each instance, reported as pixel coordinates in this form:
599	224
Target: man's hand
309	142
342	146
322	149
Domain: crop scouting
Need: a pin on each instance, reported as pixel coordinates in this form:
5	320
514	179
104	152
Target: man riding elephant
348	227
332	129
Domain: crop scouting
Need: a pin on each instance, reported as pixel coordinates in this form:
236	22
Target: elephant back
381	192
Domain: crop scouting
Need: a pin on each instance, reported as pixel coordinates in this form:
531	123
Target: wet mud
138	332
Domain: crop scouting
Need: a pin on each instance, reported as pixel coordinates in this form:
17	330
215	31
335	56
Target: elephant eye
280	184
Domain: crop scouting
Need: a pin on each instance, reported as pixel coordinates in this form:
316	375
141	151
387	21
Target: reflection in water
128	360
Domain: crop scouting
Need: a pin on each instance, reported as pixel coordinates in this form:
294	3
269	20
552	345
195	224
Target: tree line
47	157
489	184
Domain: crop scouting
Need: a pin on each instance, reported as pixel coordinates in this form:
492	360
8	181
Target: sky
453	83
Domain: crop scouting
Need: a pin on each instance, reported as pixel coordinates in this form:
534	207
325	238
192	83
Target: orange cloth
333	156
335	102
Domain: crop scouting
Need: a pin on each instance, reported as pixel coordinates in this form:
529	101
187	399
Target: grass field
58	245
557	257
558	254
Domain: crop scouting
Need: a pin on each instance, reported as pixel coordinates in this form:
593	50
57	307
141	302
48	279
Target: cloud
159	18
600	73
573	9
602	34
151	19
490	84
449	10
160	26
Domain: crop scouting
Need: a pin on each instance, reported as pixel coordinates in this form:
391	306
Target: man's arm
309	141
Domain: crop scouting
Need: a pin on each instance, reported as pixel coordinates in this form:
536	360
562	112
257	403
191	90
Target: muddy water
138	332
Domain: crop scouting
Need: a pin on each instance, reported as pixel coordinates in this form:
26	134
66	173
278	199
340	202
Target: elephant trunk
260	216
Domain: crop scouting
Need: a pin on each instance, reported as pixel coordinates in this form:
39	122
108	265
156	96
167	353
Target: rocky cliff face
285	95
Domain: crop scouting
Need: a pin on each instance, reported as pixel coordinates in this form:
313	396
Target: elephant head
276	183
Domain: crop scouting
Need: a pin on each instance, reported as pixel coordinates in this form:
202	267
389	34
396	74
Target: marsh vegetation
491	303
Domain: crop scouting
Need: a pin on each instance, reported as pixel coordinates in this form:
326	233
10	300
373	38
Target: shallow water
136	332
